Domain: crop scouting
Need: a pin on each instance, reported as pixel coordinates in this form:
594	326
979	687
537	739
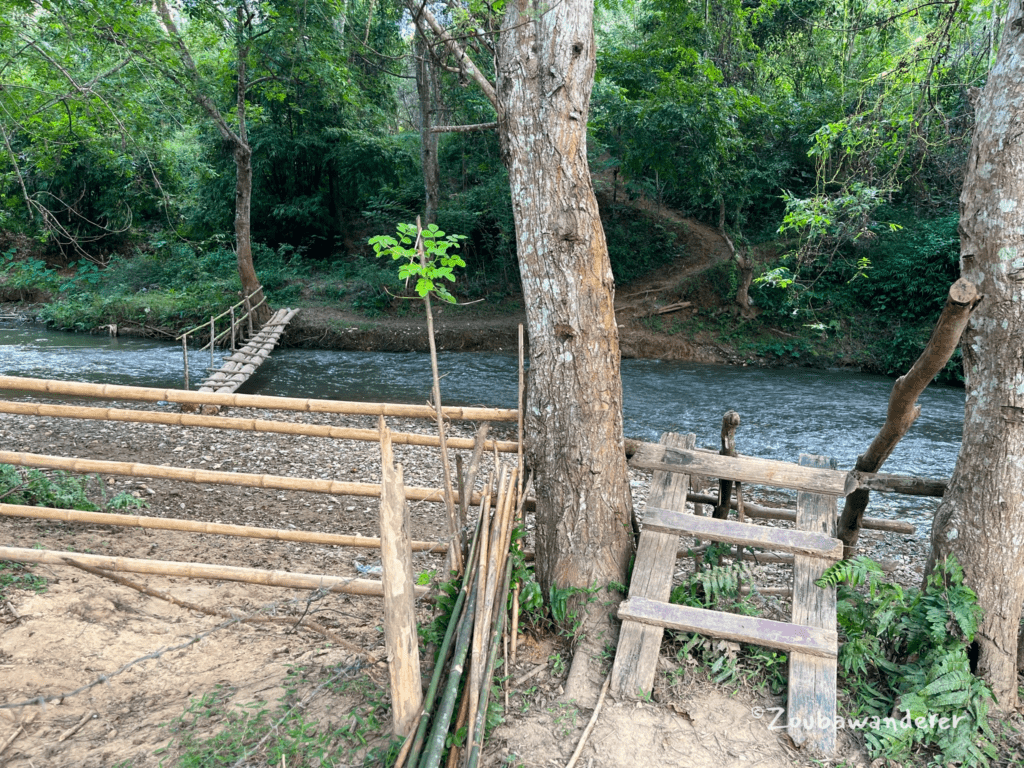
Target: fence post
400	633
184	353
232	329
248	313
212	334
812	679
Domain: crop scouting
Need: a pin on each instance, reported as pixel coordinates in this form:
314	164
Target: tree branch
903	408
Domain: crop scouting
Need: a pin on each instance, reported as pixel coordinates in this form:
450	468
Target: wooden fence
277	482
811	637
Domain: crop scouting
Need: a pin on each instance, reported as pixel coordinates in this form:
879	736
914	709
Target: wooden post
812	679
232	329
400	633
184	354
636	659
248	313
730	421
213	335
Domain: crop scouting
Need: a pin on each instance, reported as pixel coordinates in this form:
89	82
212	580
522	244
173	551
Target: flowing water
785	412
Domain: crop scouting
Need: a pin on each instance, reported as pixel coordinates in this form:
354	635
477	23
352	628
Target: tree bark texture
546	60
903	408
981	517
428	139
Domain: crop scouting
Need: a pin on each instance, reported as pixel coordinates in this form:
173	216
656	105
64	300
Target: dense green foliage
905	660
832	124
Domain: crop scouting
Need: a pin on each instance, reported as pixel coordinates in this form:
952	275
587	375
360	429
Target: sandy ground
163	660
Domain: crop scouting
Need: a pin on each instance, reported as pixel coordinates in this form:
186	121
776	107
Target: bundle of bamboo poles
467	656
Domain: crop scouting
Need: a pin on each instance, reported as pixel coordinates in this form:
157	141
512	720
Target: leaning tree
981	517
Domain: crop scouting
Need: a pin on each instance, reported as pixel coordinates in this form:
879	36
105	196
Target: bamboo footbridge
240	365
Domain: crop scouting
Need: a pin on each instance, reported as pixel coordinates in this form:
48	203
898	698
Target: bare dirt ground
173	675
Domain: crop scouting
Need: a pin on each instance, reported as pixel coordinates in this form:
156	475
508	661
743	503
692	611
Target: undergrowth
905	663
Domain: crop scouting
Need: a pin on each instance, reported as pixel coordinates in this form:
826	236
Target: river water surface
785	412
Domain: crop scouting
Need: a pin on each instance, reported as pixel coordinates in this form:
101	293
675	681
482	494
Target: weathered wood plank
746	534
745	629
747	469
781	513
400	634
636	659
906	484
812	679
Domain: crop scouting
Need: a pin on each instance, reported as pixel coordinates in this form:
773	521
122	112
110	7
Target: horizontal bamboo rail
150	394
770	513
369	587
196	526
275	482
243	425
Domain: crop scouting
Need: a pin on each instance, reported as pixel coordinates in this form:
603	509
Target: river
785	411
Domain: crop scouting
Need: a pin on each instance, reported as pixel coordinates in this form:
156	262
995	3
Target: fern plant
904	662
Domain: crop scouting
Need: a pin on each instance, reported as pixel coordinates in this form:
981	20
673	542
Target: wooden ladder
810	639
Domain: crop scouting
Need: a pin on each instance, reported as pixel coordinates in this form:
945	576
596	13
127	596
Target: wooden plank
781	513
907	484
745	534
812	679
636	658
400	634
745	629
780	474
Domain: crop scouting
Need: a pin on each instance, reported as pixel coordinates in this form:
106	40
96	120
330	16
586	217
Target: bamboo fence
196	526
348	586
309	405
275	482
243	425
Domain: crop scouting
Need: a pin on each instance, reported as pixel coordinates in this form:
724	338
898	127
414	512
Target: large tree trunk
981	518
428	139
243	183
574	415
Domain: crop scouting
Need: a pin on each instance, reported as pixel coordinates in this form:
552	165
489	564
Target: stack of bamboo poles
472	639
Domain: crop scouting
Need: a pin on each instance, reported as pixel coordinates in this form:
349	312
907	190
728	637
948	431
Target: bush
905	651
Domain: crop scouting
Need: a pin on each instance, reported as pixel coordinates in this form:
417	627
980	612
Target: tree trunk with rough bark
574	415
428	139
981	518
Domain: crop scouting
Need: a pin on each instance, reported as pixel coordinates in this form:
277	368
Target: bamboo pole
443	716
454	624
184	353
151	394
213	333
232	329
368	587
498	574
276	482
197	526
243	425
